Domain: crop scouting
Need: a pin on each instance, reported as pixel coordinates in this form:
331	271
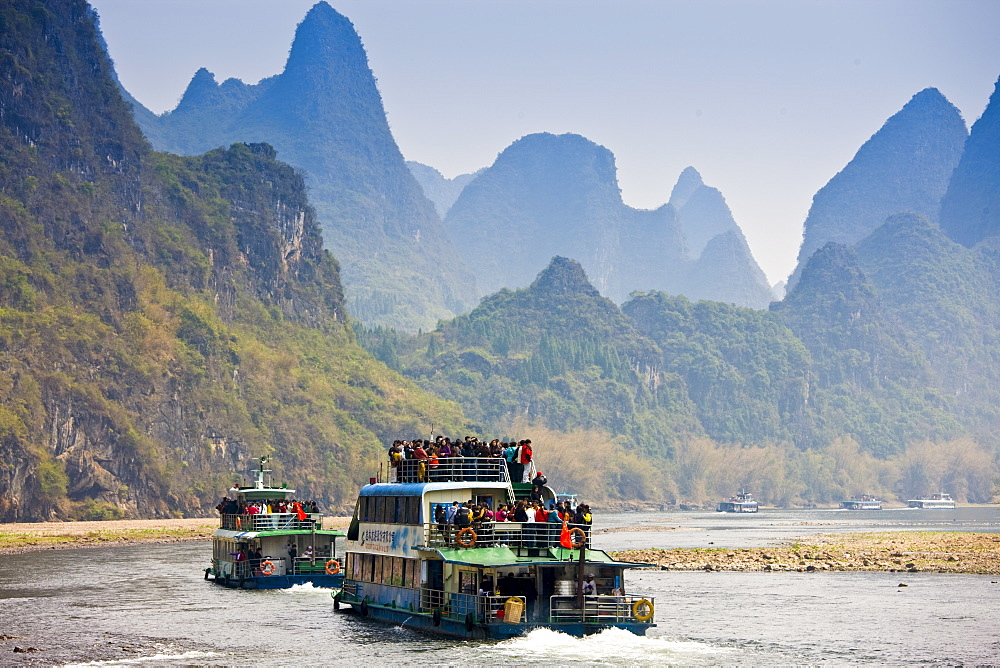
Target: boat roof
262	493
419	488
241	535
499	557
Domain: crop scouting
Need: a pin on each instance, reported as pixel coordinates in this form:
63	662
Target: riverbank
29	536
894	552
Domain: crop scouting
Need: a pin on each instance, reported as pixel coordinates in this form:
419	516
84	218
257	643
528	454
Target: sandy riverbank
901	552
30	536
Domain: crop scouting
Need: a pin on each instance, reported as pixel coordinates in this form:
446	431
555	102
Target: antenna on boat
259	483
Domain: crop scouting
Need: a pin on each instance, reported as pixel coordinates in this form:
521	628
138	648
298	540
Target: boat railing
601	609
522	537
272	522
485	609
450	469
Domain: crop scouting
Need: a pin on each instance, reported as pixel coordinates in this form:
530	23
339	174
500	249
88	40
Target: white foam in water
614	646
307	587
182	658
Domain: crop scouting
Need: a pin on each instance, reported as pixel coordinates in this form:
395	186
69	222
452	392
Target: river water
149	605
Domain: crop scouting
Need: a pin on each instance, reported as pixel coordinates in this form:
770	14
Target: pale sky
767	99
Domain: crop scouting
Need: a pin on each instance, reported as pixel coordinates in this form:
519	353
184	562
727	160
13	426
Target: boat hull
279	581
861	505
931	505
458	628
729	507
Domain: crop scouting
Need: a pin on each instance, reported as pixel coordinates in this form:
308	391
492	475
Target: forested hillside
163	319
706	397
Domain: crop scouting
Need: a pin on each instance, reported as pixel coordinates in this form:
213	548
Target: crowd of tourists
441	459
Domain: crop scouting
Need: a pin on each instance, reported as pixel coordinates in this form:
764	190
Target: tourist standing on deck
514	471
525	455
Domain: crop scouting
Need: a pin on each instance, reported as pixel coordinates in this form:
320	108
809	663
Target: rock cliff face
905	166
558	195
970	210
162	318
324	114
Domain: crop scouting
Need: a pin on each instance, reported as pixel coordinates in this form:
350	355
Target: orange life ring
466	532
583	538
335	569
267	567
238	523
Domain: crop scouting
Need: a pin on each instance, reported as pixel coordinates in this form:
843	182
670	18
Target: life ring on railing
466	542
335	569
239	525
267	568
583	538
642	610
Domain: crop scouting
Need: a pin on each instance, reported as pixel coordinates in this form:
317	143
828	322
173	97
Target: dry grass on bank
25	537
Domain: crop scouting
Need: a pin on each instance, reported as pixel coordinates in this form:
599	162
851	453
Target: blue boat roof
418	488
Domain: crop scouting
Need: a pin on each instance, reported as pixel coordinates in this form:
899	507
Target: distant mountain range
558	195
905	166
400	266
324	114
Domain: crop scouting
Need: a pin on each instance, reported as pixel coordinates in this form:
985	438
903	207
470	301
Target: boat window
467	583
413	510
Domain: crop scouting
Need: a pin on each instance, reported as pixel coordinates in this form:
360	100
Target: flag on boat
301	514
564	538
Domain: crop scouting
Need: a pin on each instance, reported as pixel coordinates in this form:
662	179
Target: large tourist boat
939	501
268	540
407	565
862	502
741	503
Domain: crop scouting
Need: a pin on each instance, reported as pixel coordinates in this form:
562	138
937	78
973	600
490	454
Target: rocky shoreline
893	552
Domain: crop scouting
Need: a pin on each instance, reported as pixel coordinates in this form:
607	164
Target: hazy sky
768	99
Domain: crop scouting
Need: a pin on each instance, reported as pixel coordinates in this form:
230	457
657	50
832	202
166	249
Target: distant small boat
741	503
935	501
863	502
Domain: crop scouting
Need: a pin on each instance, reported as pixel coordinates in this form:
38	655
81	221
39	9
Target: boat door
435	574
546	590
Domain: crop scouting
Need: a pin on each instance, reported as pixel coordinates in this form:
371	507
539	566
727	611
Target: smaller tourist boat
862	502
741	503
939	501
268	540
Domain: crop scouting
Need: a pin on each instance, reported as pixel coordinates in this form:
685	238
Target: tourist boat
491	580
863	502
251	547
935	501
741	503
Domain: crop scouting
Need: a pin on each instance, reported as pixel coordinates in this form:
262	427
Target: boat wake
615	646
